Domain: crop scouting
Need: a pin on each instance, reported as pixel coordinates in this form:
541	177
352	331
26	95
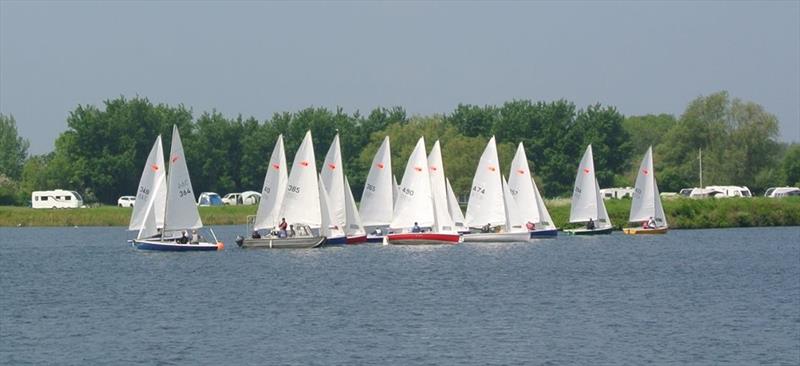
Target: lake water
77	296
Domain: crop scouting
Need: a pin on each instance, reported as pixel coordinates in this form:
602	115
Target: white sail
545	221
377	201
354	226
485	203
149	228
514	222
273	190
444	222
587	203
454	208
154	175
414	201
333	179
327	227
526	195
301	203
181	208
646	199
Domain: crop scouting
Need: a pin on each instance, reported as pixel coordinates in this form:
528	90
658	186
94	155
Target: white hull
522	236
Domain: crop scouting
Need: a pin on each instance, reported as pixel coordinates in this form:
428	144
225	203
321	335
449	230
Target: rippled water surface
83	296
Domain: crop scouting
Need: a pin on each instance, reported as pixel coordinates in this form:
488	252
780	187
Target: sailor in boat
531	226
487	228
377	232
291	231
650	224
590	224
256	235
196	238
416	228
282	228
184	238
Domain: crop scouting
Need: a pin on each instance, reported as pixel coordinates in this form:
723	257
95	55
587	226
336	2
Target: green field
681	213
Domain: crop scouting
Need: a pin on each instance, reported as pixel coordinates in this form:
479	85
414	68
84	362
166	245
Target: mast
701	167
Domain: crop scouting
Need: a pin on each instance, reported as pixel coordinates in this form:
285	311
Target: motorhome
716	192
58	198
776	192
618	193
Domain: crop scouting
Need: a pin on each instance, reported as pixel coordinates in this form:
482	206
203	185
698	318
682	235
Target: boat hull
522	236
602	231
374	238
544	233
422	239
282	243
357	239
641	231
336	240
176	247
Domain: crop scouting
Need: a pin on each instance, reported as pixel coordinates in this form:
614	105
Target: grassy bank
681	213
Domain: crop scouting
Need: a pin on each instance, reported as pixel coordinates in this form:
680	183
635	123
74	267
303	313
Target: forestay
273	190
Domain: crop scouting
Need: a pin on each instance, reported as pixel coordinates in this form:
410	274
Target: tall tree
13	148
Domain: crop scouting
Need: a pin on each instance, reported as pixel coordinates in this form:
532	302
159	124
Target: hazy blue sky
257	58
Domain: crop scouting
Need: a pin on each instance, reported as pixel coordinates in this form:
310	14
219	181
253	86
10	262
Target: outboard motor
239	240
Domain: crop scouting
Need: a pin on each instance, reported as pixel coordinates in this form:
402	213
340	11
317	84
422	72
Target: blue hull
342	240
174	247
552	233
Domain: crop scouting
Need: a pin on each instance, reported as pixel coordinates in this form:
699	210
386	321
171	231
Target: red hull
357	239
422	238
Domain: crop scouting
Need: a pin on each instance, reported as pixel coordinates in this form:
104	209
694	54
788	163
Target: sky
257	58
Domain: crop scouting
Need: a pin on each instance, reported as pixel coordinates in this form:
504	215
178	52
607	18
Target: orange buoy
220	245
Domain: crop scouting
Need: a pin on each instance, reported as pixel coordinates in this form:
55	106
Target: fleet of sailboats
423	209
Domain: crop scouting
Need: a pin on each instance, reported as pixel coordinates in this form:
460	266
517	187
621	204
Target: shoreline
682	213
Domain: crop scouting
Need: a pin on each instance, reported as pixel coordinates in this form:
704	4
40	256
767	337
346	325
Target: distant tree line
103	150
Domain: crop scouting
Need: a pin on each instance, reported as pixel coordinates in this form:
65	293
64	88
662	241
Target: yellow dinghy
641	231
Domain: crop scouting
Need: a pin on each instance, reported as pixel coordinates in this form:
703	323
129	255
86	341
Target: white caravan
58	198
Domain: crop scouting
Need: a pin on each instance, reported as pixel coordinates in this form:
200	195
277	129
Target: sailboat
646	204
489	209
455	209
415	209
377	199
180	211
587	203
526	195
269	210
333	180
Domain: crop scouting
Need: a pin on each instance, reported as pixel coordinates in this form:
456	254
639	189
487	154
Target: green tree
13	148
790	166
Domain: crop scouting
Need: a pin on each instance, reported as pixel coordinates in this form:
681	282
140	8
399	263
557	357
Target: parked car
244	198
776	192
126	201
57	198
209	199
716	192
